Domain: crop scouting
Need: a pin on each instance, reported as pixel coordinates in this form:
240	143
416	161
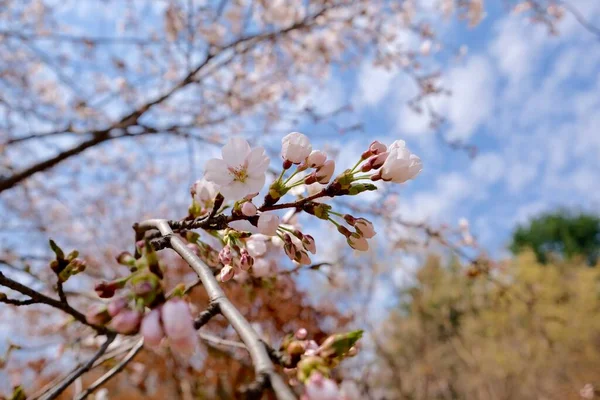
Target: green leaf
339	344
60	255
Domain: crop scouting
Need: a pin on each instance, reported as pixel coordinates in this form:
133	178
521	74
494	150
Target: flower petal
254	184
216	171
258	162
235	151
236	190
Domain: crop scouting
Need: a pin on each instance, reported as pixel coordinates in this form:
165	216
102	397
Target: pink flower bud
126	322
304	259
316	159
115	306
377	147
365	228
378	160
179	326
290	250
226	273
97	315
400	165
350	220
301	334
250	196
358	242
309	244
151	328
246	260
249	209
295	147
320	388
261	268
325	172
106	290
344	231
225	255
268	224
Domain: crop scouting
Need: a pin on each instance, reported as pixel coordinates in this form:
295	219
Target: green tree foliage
560	234
524	332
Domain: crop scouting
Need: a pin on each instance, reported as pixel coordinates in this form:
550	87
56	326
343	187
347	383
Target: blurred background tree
528	332
561	234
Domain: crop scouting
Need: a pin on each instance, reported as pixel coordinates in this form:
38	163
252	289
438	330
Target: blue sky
528	100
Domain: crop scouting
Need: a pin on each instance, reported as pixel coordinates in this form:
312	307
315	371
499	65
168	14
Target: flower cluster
311	363
172	320
240	175
138	304
223	203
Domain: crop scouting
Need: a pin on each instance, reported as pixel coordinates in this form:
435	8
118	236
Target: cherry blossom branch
263	366
131	119
39	298
58	389
112	372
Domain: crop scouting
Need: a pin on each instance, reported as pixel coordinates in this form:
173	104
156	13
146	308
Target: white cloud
488	167
374	84
517	46
436	204
473	91
520	174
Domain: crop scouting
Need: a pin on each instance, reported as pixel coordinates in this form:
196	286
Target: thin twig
58	389
43	299
205	316
221	342
112	372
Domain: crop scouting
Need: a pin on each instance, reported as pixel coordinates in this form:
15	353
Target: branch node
206	315
162	242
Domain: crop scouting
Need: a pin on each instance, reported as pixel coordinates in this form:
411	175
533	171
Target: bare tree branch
263	366
58	389
112	372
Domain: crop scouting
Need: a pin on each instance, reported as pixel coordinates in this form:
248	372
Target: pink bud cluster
297	149
297	246
394	164
231	263
172	321
363	230
311	364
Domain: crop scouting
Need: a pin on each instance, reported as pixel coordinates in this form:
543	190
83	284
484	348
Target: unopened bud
116	305
246	260
97	315
377	147
339	344
296	348
127	321
309	243
125	258
249	209
107	290
301	334
225	255
226	273
344	231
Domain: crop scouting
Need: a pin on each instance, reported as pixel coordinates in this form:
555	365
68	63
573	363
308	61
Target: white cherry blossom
241	171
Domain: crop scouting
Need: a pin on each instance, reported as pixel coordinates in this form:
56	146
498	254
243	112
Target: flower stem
290	177
356	165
